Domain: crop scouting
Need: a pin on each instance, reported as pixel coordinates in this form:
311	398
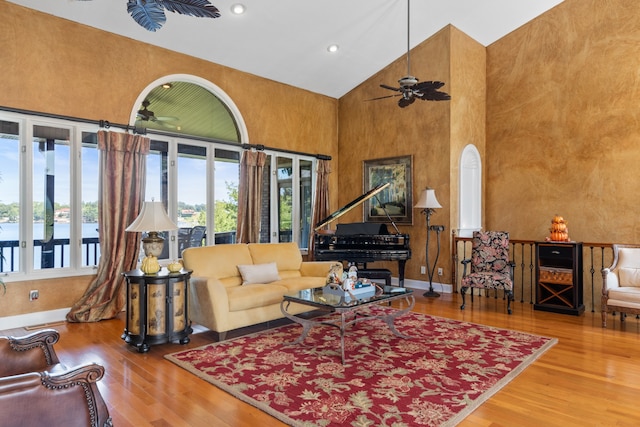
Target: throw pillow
259	273
629	276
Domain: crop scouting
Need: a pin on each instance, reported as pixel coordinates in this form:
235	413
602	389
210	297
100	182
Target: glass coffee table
350	312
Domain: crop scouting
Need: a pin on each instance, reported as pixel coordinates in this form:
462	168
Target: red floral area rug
436	378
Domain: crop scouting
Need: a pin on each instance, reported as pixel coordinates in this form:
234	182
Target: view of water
10	230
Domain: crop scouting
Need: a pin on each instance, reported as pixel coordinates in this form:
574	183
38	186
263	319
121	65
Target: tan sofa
220	301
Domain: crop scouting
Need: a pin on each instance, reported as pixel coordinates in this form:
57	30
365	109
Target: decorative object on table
175	266
387	380
152	219
490	265
559	230
349	286
157	308
410	88
359	291
392	204
428	203
150	265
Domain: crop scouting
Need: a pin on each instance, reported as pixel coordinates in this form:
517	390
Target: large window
49	197
49	192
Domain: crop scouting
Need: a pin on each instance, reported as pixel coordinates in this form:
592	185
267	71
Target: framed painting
396	200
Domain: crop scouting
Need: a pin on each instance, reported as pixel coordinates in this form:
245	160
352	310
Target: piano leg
401	264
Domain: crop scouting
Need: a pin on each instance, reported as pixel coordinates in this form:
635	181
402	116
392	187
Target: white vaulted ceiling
287	40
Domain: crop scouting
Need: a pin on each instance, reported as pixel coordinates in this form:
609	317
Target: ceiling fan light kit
410	87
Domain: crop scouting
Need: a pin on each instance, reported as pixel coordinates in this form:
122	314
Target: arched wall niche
470	191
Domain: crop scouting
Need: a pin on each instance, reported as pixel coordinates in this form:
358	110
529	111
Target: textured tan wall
434	133
563	123
468	107
56	66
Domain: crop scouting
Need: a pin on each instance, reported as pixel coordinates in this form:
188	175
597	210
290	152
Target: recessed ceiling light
238	9
333	48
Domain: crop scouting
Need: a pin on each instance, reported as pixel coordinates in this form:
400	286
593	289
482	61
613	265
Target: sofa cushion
627	295
218	261
254	295
629	276
259	273
286	255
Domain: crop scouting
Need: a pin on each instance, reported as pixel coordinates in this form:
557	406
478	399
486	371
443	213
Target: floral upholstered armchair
490	265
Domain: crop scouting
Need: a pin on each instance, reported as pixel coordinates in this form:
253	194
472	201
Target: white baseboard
422	285
32	319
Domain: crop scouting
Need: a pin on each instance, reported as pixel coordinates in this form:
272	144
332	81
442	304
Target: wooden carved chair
621	283
37	390
490	265
29	353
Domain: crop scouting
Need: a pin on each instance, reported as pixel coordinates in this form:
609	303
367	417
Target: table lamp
428	203
152	219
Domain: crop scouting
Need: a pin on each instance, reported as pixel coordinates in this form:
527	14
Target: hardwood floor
590	378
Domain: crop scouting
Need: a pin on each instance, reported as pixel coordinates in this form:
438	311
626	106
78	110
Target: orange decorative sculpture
559	230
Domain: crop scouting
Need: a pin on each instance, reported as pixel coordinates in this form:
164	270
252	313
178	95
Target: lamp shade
428	200
152	218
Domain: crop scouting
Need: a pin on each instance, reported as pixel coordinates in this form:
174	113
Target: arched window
197	136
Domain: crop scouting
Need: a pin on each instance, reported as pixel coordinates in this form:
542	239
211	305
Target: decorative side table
157	310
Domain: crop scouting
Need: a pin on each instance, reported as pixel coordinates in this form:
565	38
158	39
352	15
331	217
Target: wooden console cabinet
157	310
559	277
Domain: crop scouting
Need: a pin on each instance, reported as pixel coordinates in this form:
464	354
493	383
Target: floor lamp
428	203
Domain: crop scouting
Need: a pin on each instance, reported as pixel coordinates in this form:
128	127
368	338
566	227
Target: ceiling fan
410	87
147	115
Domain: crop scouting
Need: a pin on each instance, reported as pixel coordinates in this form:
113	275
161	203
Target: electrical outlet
34	295
423	269
439	271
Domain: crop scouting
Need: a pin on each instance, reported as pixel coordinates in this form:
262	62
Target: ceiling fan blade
383	97
427	86
433	95
397	89
406	101
166	119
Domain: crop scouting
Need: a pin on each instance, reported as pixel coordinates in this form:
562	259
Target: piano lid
352	204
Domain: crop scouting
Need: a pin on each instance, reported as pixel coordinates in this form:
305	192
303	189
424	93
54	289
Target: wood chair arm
69	398
29	353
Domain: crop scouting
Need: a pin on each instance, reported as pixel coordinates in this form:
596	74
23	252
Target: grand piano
361	242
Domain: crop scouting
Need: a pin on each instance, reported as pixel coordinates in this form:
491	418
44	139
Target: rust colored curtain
121	192
250	196
321	203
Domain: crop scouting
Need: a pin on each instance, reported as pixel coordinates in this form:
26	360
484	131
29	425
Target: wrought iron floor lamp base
431	269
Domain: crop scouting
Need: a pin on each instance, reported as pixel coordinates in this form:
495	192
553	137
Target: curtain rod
143	131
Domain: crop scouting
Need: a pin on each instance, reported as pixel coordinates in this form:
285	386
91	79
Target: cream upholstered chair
490	265
621	283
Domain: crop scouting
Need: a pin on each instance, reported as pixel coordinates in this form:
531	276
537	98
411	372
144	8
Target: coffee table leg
342	328
390	318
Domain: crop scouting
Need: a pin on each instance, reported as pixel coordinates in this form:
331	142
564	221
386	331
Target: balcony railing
595	257
9	251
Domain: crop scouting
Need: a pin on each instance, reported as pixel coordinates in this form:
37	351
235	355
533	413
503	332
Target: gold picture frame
395	201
